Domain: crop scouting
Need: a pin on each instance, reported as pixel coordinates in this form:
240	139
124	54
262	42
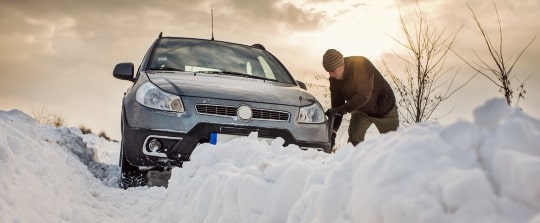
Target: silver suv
190	91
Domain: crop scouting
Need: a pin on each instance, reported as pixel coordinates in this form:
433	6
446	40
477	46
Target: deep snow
487	170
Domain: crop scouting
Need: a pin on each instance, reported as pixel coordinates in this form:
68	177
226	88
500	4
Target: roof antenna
212	16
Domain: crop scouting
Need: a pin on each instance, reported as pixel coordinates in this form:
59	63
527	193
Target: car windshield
197	55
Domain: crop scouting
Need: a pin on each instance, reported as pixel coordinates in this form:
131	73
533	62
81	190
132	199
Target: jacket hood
220	86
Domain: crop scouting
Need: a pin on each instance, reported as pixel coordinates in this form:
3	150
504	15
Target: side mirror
302	85
124	71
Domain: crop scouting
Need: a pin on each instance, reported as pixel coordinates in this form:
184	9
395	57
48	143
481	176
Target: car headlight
311	114
151	96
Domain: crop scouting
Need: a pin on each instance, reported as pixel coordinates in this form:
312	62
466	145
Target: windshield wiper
232	73
166	69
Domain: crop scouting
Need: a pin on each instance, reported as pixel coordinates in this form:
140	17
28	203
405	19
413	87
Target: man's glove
334	111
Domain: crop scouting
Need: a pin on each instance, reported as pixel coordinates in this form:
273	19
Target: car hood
230	87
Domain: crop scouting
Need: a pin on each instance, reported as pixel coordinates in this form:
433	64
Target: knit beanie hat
332	59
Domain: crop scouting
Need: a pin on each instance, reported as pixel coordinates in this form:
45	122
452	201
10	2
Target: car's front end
287	112
190	91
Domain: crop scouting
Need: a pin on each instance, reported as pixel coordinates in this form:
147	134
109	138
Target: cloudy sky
58	55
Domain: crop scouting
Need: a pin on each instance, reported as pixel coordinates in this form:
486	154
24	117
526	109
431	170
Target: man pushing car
357	87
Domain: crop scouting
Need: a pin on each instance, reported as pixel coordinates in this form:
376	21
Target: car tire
130	176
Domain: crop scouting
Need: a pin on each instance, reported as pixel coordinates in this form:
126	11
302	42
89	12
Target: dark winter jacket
362	88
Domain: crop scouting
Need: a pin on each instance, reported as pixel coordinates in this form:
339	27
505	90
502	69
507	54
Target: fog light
154	145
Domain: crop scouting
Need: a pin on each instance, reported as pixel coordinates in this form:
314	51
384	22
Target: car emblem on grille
244	112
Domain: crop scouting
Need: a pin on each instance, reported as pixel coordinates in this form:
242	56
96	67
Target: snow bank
36	182
487	170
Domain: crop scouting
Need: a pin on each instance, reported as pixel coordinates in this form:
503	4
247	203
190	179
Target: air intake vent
270	115
261	114
216	110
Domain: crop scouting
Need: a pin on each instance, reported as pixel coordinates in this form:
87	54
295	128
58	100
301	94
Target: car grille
231	111
216	110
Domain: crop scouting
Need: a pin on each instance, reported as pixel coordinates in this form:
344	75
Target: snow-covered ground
487	170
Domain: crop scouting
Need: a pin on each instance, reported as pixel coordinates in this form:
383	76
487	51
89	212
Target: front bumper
177	146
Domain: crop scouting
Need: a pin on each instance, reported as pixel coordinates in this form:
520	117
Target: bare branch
421	91
499	73
521	53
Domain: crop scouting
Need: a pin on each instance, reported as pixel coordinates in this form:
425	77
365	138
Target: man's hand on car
336	111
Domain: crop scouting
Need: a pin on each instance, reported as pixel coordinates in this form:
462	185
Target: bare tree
424	88
499	73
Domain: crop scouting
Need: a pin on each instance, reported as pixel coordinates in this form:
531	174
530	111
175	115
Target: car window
198	55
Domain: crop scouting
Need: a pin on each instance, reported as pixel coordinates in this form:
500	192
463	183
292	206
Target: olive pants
360	123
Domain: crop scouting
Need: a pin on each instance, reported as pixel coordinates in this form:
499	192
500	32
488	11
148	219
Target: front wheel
130	176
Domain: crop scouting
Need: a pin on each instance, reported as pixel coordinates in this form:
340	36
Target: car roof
256	45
